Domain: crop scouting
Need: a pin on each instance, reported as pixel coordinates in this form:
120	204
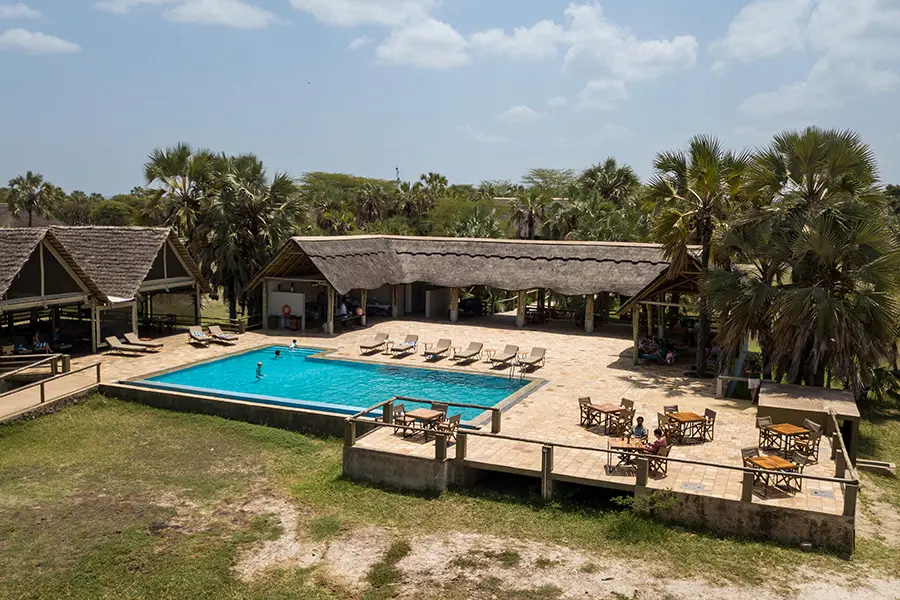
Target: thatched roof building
369	262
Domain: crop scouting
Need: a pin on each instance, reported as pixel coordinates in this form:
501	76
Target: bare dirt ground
466	565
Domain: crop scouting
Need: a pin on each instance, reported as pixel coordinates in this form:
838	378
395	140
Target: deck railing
18	364
50	389
641	461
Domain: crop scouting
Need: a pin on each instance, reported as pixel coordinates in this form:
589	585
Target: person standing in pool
278	354
293	345
259	373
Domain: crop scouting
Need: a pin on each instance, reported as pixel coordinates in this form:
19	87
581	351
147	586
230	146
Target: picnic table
429	418
608	410
776	468
627	448
783	435
687	425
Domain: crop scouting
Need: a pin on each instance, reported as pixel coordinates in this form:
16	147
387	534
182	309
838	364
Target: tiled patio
597	365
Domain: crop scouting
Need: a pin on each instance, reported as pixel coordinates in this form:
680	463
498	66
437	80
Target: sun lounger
134	340
440	349
217	335
127	349
377	343
196	336
533	360
504	358
408	345
216	332
473	352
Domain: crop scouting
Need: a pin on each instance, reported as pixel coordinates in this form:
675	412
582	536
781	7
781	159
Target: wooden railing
31	362
842	463
45	395
850	484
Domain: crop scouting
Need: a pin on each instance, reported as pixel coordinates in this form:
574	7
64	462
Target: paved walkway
578	364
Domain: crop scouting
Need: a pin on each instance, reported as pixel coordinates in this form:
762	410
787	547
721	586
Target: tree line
798	239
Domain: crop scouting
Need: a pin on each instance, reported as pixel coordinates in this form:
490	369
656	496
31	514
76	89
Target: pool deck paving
598	365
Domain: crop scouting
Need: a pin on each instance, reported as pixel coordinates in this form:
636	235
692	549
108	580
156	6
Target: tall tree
553	182
75	209
614	182
29	192
527	211
694	191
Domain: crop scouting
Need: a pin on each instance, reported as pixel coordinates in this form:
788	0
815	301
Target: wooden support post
265	304
349	433
635	332
541	303
649	319
440	446
364	300
520	310
547	472
197	304
604	308
720	387
496	415
661	329
454	305
747	488
462	442
850	493
43	393
643	471
329	322
840	464
387	413
134	317
589	313
395	302
66	363
54	365
834	445
95	328
43	276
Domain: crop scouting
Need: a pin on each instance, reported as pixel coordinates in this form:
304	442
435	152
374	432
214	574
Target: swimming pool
303	380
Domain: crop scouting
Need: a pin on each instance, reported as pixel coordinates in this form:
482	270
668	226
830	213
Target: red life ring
286	310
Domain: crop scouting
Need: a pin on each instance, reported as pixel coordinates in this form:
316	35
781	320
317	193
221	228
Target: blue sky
474	89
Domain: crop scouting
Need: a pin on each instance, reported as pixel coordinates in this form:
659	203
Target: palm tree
373	204
610	180
29	192
245	223
184	178
527	211
694	191
481	223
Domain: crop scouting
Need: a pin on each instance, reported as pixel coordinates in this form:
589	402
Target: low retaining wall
293	419
396	470
755	520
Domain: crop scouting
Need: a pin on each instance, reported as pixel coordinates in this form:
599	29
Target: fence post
462	441
546	472
440	447
834	445
643	471
747	488
387	412
66	363
850	491
840	464
349	433
54	365
496	415
720	392
98	372
43	397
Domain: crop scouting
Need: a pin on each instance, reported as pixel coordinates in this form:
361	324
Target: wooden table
388	344
608	410
628	447
779	467
428	417
456	350
687	424
489	354
784	434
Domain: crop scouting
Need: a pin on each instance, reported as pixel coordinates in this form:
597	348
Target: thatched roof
368	262
16	245
119	259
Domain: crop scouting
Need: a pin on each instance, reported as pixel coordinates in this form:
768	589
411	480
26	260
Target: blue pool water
299	379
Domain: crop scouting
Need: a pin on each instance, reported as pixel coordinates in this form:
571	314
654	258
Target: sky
473	89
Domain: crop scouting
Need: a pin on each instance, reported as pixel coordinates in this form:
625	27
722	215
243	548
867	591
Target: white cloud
829	85
481	137
18	10
36	43
766	28
557	102
360	42
602	94
350	13
594	41
428	44
520	114
230	13
529	43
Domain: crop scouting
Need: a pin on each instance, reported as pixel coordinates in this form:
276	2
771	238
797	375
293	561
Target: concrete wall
395	470
760	521
293	419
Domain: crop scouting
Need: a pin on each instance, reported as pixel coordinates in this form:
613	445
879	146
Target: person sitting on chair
38	345
658	445
639	430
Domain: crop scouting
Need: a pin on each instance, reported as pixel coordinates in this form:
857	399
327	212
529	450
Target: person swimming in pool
259	373
278	354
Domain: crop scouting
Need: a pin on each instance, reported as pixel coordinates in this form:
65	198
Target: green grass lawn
88	509
879	439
